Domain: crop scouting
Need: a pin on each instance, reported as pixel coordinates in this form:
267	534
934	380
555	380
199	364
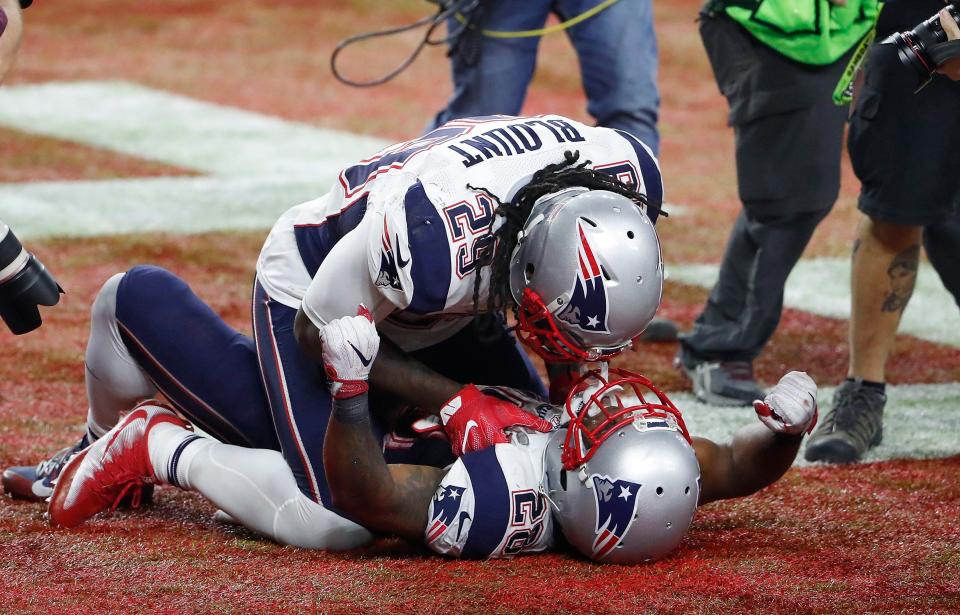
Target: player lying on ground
620	476
543	215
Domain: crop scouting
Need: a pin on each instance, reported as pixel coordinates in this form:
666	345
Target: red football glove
474	421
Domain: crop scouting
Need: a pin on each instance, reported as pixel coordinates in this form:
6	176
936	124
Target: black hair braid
552	178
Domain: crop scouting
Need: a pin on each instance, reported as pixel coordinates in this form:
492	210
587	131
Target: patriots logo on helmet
616	506
388	275
446	504
587	309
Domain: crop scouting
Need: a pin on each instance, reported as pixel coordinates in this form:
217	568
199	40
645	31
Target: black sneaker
721	383
853	425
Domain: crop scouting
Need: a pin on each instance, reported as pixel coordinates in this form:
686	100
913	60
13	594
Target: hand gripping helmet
586	275
623	477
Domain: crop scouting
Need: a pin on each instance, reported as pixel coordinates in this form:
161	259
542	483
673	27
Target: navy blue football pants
265	392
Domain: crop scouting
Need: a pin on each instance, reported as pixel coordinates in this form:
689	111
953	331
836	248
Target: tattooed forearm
902	273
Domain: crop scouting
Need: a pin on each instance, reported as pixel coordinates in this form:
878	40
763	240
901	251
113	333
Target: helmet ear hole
528	272
563	480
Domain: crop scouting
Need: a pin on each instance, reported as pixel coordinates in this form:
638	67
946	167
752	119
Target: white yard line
822	286
154	125
174	205
920	421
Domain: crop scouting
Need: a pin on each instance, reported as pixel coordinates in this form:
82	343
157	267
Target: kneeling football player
620	476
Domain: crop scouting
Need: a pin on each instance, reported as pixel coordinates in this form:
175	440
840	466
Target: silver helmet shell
592	258
633	499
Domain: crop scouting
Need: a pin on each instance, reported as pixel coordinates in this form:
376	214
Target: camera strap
465	38
943	52
843	93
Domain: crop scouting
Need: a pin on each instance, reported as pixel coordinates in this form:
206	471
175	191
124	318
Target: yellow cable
544	31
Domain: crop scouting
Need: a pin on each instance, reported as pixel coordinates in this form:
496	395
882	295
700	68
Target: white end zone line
822	286
184	132
164	204
256	166
920	421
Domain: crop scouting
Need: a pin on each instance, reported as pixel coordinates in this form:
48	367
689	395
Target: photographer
952	67
11	31
904	145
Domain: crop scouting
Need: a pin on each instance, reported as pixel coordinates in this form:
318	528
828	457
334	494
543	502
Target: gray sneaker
722	383
853	425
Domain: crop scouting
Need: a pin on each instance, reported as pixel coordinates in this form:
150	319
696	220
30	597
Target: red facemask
583	439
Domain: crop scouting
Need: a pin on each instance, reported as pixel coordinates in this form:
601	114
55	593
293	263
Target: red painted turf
874	538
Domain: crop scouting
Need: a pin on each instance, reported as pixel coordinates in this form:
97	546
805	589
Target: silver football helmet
586	275
623	477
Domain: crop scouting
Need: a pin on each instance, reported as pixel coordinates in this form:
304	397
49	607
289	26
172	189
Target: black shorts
905	147
789	134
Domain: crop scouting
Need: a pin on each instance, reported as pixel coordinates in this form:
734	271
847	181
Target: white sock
171	450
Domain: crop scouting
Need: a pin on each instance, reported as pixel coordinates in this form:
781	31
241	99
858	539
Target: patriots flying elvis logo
616	505
388	275
446	504
587	309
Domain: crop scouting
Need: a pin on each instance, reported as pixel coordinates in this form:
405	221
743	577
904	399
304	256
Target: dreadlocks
552	178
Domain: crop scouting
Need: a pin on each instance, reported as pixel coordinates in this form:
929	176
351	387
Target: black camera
25	284
925	47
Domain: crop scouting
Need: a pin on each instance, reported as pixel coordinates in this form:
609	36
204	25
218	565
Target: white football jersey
490	503
402	231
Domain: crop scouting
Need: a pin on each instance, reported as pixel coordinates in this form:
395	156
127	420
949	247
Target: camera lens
25	284
913	47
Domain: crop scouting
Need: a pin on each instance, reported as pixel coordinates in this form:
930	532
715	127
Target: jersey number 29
469	226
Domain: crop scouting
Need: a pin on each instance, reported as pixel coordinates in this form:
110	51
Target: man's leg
884	270
491	75
885	262
206	369
617	49
788	146
942	244
254	486
149	333
745	305
297	393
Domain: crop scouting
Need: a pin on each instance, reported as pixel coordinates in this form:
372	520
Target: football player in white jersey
620	476
543	215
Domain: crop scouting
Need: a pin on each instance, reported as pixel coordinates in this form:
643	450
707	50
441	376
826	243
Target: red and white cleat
97	478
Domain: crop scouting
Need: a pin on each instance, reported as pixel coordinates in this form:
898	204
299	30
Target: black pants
789	136
905	146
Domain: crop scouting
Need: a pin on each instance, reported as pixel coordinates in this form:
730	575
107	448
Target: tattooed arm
392	499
